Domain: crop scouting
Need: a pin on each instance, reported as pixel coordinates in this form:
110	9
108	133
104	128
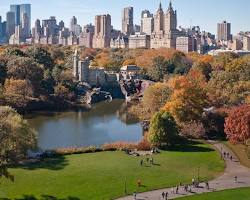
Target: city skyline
191	13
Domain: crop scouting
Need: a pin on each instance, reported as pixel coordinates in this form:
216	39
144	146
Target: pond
103	123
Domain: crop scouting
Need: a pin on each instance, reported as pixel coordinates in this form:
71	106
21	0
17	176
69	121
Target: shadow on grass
188	146
43	197
55	163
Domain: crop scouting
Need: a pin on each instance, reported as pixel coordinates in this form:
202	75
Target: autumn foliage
237	125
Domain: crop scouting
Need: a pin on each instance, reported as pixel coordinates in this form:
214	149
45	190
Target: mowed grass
236	194
102	175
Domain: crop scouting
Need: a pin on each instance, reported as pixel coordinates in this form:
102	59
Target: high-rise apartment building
165	28
10	23
128	21
103	28
185	44
73	22
147	22
224	31
49	26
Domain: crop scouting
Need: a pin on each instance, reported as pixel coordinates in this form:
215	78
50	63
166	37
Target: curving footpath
226	181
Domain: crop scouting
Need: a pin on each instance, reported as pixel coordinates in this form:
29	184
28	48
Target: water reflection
104	123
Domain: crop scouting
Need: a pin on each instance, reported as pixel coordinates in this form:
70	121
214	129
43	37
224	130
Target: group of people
227	156
148	160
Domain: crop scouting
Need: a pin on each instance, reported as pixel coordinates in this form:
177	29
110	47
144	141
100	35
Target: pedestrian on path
163	195
166	196
235	179
134	195
177	189
141	162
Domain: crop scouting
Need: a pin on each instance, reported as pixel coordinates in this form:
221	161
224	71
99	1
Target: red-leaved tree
237	124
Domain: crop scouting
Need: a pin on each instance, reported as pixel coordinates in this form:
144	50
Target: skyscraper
16	9
147	22
103	28
38	29
224	31
128	20
159	20
170	19
10	23
25	26
25	8
73	22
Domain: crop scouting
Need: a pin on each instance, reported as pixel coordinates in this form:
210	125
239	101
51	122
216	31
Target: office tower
25	26
38	29
147	22
103	28
10	23
224	31
25	9
127	21
1	28
137	28
73	22
16	9
61	25
49	26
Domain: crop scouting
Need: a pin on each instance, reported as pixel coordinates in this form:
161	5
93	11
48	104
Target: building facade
185	44
246	43
165	28
128	21
139	41
147	22
224	31
102	34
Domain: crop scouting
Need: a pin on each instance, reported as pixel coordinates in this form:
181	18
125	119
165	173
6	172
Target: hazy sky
205	13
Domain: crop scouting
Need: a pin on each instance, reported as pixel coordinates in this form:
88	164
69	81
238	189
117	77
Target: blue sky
205	13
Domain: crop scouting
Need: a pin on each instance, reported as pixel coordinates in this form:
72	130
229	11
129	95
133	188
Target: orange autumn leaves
188	98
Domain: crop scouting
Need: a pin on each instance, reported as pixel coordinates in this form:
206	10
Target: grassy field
240	194
240	151
102	175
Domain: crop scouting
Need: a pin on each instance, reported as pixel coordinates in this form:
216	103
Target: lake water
103	123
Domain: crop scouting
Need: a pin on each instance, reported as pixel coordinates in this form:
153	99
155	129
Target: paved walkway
226	181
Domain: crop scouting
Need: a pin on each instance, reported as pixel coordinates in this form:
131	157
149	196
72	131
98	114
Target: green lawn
102	175
239	194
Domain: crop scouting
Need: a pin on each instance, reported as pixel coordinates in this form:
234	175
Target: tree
24	68
237	125
16	137
18	87
3	70
189	97
155	97
193	130
63	93
163	129
159	69
41	56
204	68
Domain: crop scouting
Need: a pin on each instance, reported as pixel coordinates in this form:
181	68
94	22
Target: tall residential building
147	22
224	31
128	20
246	43
165	28
10	23
103	28
159	20
185	44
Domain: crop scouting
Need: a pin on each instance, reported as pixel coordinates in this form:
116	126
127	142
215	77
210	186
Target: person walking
177	189
141	162
166	196
235	179
163	195
134	195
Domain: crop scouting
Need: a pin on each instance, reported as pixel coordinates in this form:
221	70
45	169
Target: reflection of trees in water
124	115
